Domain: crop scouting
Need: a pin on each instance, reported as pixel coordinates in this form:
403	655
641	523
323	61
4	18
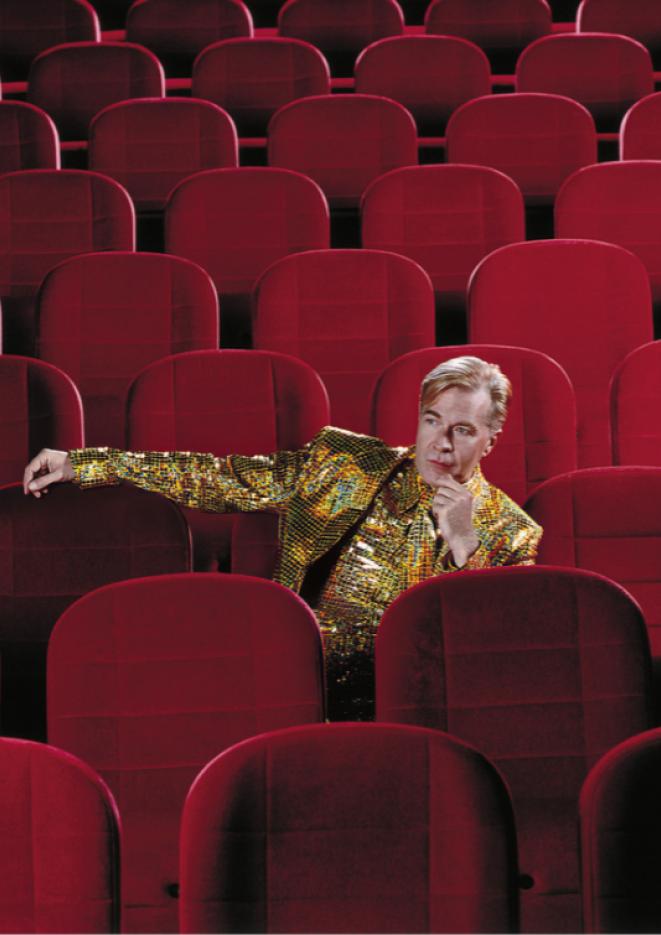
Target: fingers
37	466
42	482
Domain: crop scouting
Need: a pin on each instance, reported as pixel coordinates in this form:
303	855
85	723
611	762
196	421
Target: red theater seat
176	33
640	131
539	436
343	142
252	78
585	304
340	28
542	669
56	548
606	73
60	864
226	402
430	75
104	316
621	838
47	215
536	139
639	20
150	145
236	222
29	138
184	666
348	828
635	394
346	313
41	408
73	82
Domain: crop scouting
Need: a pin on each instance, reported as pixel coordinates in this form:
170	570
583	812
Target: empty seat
430	75
184	666
542	669
639	20
635	394
236	222
606	73
536	139
226	402
346	313
176	33
73	82
343	142
150	145
539	436
348	827
29	138
340	28
41	408
621	838
585	304
104	316
60	869
47	215
640	136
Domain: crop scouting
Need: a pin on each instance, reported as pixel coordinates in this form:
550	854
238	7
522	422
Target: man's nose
442	441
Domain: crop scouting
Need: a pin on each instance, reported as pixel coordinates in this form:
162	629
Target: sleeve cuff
93	467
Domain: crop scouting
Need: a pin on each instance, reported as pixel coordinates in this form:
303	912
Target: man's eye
462	430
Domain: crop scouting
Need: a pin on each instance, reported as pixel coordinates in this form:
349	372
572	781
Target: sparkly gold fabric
344	495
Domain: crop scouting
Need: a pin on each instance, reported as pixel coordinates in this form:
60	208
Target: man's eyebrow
433	412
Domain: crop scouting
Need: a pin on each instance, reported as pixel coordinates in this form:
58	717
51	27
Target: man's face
453	434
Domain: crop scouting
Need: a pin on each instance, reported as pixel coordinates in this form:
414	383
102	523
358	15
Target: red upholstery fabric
348	828
47	215
150	145
151	678
515	661
73	82
539	436
343	142
60	862
430	75
105	316
639	20
536	139
236	222
585	304
635	395
340	28
53	550
28	27
346	313
445	217
177	33
617	202
640	134
29	138
606	73
41	408
620	837
252	78
254	402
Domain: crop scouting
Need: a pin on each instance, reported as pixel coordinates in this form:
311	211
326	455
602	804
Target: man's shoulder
500	506
360	447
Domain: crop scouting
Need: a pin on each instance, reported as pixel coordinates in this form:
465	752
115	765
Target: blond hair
470	373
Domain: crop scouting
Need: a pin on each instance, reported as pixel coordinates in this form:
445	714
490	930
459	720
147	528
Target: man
360	522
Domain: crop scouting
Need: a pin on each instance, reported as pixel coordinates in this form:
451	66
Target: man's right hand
48	467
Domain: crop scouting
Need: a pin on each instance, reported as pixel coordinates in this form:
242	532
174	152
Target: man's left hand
452	507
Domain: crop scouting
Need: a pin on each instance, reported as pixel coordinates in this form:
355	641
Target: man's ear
488	448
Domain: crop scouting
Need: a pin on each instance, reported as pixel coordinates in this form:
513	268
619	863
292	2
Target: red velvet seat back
346	313
635	394
348	828
73	82
604	72
29	138
150	679
445	217
620	835
539	436
176	33
430	75
28	27
536	139
252	78
640	132
585	304
105	316
47	215
236	222
150	145
60	863
515	661
639	20
617	202
343	142
56	548
41	408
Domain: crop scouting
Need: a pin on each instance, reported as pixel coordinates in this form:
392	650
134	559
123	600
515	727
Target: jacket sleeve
512	542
